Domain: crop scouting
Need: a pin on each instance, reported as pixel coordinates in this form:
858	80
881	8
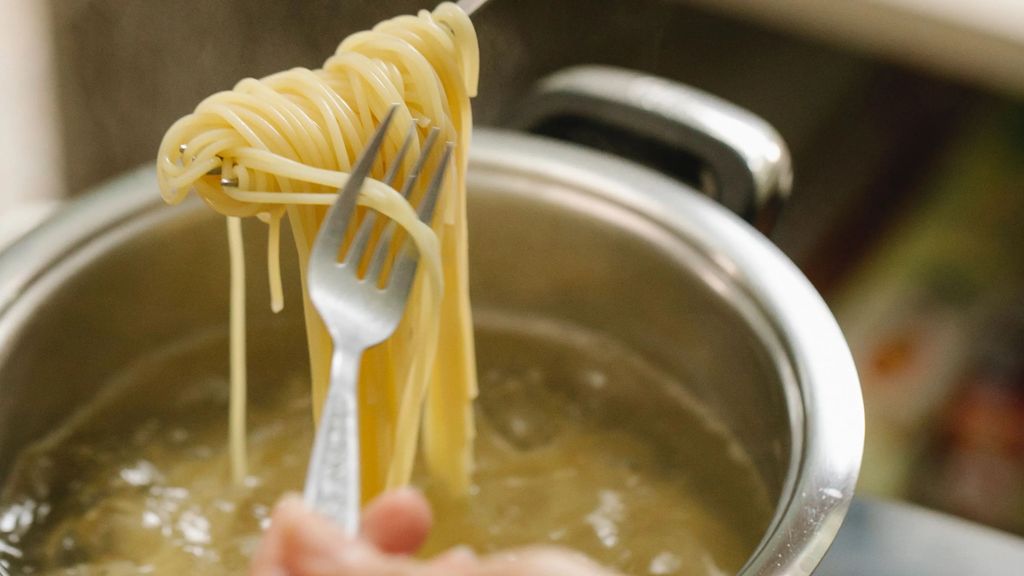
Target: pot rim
826	407
823	391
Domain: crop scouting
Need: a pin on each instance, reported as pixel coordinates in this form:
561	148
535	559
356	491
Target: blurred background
905	119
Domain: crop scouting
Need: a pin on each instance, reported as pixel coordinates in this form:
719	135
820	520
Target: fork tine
380	253
332	230
405	265
397	162
428	146
429	202
355	252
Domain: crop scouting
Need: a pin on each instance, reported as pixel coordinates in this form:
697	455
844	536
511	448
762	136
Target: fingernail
455	557
460	552
404	490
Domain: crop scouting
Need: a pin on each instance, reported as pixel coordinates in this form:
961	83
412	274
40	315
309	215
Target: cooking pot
561	235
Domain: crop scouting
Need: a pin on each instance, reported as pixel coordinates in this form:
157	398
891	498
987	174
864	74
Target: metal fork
358	314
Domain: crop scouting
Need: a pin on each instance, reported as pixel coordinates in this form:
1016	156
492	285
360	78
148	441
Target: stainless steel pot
560	234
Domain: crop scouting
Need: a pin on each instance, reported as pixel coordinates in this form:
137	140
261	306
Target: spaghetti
284	145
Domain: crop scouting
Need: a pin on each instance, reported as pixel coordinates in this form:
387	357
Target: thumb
541	561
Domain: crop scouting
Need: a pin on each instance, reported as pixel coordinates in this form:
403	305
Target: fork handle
332	481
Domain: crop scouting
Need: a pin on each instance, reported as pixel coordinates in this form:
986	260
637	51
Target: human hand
300	542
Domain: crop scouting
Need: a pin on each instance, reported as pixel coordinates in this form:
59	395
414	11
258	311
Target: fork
359	313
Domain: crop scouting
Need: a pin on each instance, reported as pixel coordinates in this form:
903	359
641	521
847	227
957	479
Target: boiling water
580	444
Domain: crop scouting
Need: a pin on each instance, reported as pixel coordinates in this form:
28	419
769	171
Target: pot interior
614	311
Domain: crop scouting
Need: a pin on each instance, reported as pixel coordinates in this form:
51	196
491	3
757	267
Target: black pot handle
729	153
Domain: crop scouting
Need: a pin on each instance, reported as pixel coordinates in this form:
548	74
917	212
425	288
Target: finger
398	522
268	558
456	560
287	540
540	561
307	539
301	542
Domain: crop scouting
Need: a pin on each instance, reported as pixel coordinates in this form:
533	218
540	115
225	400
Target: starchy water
580	444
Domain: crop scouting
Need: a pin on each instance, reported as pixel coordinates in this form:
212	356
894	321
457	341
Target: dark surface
882	538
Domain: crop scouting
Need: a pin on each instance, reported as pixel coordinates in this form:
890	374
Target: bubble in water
606	517
194	527
141	473
665	563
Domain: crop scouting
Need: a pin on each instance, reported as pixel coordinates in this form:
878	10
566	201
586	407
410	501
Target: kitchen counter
881	538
